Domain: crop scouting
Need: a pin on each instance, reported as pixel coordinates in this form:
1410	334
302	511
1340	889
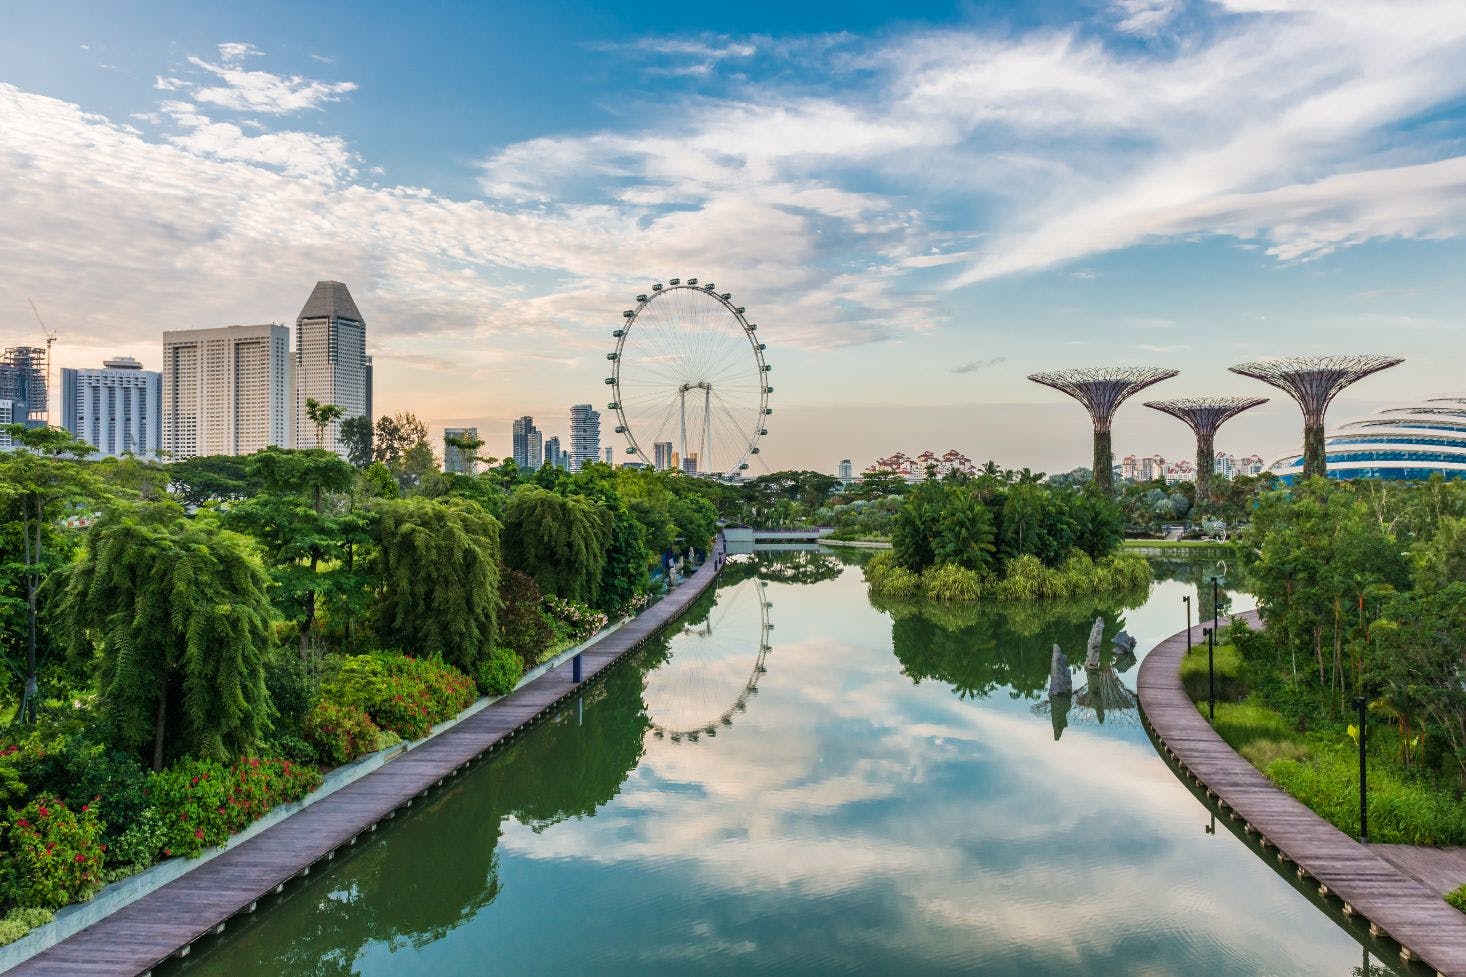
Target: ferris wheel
706	681
689	378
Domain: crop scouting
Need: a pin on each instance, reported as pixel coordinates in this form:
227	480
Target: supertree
1314	381
1204	415
1102	390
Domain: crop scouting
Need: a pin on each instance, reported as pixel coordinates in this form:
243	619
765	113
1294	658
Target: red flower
79	858
43	811
199	834
23	823
167	851
84	807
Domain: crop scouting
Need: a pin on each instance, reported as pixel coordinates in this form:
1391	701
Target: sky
918	210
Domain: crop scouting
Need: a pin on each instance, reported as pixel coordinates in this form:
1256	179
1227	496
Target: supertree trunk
1104	462
1315	455
1206	460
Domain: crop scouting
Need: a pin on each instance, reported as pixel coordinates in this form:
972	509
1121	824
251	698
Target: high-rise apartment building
554	457
529	445
7	416
23	383
689	464
227	391
585	436
610	455
846	471
331	365
455	458
662	455
117	409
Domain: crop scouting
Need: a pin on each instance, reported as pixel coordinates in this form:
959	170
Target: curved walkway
166	922
1427	929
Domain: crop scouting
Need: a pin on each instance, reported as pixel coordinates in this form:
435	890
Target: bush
523	626
499	673
56	855
142	841
951	584
340	734
19	922
201	802
889	579
291	691
1457	898
581	621
259	784
291	748
401	694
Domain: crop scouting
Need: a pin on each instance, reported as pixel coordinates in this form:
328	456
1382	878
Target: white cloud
261	91
233	52
1145	16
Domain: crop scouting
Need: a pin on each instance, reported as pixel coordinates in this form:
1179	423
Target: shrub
291	748
142	841
951	584
19	922
401	694
56	855
499	673
524	627
581	621
191	796
1457	898
1023	579
291	691
259	784
889	579
338	733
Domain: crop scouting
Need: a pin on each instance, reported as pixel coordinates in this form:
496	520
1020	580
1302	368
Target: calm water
883	793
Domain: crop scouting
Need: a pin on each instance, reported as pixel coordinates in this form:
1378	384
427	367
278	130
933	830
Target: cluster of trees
1363	586
1148	506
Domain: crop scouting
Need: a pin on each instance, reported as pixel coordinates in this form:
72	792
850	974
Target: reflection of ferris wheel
705	681
689	376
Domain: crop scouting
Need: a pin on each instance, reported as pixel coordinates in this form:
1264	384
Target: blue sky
1000	188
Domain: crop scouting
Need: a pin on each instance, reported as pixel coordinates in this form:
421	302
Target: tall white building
227	391
610	455
529	443
585	436
456	459
7	416
331	364
846	471
661	455
117	409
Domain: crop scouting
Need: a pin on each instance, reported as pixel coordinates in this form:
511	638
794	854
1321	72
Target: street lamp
1187	601
1211	675
1361	704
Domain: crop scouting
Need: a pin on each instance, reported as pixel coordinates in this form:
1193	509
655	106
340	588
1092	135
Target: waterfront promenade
169	920
1396	905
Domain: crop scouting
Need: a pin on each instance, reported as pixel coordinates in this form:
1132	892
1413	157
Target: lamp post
1361	704
1187	601
1211	675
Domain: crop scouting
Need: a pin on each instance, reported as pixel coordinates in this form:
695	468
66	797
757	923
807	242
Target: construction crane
50	340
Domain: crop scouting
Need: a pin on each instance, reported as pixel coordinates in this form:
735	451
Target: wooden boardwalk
169	920
1396	905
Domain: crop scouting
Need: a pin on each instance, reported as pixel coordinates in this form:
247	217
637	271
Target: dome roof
1399	443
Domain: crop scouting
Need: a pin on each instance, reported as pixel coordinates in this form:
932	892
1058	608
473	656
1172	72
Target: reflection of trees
782	566
981	648
434	867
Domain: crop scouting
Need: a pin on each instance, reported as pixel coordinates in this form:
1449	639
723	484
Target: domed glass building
1398	443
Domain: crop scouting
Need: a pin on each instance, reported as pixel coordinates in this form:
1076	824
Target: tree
416	464
394	435
624	574
39	479
211	478
355	435
1417	663
560	540
438	579
917	526
322	416
964	532
179	611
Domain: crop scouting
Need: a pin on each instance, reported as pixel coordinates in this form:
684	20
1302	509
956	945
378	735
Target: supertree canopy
1204	415
1314	381
1102	390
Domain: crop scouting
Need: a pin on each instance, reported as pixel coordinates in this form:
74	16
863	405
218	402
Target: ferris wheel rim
749	332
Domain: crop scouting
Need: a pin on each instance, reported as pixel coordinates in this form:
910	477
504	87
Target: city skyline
1088	192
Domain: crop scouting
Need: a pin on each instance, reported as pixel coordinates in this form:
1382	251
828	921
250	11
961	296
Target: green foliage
576	620
624	570
523	626
951	584
200	803
404	695
560	540
142	841
500	672
355	435
1457	897
19	922
212	478
889	579
438	578
56	855
340	733
965	532
179	610
918	525
1402	810
1231	681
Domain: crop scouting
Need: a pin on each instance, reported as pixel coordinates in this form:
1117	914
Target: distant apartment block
662	455
227	391
554	457
7	416
331	364
117	409
1148	468
529	448
610	455
915	469
23	383
585	436
689	464
846	471
455	458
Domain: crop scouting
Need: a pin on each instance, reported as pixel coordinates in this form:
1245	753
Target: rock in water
1096	635
1060	681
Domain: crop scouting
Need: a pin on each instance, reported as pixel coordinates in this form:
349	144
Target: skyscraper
23	383
610	455
662	455
227	391
529	445
331	365
554	457
7	415
689	464
585	436
847	471
117	409
455	458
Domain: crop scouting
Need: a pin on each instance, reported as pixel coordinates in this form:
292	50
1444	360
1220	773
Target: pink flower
199	834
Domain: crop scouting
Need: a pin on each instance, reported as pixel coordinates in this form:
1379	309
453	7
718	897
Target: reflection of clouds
844	779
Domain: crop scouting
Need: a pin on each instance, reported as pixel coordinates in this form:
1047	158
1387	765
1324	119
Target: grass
1457	898
1321	767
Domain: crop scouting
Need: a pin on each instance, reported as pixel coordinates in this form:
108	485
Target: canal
797	782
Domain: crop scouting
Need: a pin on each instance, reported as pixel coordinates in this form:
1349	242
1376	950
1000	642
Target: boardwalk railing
168	921
1397	907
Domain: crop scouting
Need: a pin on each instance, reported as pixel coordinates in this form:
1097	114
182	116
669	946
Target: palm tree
322	416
